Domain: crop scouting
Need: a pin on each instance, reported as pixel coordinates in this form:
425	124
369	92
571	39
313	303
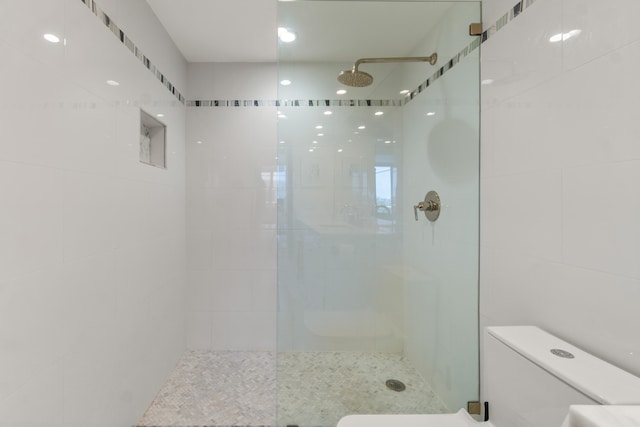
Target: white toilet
530	380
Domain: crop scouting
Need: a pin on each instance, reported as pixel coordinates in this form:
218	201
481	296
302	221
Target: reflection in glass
366	293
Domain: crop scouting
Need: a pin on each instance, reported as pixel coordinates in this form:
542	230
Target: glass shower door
377	312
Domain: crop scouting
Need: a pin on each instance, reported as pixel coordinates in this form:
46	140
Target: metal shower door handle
430	206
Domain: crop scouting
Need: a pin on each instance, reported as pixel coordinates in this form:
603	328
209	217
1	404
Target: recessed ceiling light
362	127
311	150
282	116
387	142
112	83
285	82
339	150
321	134
285	35
319	127
159	115
379	113
487	81
328	113
314	142
431	113
341	91
281	142
52	38
198	142
404	92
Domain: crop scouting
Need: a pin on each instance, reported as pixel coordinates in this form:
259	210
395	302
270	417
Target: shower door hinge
475	29
473	408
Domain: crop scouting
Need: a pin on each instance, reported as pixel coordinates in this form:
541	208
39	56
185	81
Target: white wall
560	218
231	209
92	242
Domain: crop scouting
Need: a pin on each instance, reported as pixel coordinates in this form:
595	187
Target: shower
369	299
357	78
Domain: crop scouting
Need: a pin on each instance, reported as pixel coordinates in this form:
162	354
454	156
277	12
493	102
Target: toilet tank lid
595	378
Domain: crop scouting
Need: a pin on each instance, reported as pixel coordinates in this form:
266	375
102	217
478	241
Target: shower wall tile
520	56
231	209
244	330
92	254
31	218
232	81
612	244
493	10
23	25
604	27
597	125
140	23
199	329
39	399
559	209
514	221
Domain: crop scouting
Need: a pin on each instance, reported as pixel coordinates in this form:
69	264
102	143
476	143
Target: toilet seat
459	419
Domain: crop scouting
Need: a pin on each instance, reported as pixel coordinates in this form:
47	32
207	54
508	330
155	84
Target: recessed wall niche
152	141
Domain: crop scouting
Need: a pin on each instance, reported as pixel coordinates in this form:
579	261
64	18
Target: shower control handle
430	206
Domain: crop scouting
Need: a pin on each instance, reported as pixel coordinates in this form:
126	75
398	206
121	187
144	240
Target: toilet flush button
562	353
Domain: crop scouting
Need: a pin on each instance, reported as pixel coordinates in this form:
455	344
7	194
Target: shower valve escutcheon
430	206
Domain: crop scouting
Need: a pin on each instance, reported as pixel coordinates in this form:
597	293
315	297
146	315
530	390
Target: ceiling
327	31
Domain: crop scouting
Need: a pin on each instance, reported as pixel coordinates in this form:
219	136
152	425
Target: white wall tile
549	256
510	219
494	9
232	81
232	290
93	243
598	125
32	218
604	27
520	56
603	239
244	330
23	25
39	402
89	212
230	206
199	330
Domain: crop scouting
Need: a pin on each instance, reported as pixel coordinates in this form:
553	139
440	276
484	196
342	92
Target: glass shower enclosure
377	304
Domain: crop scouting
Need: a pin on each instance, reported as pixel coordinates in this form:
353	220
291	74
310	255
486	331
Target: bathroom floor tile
210	388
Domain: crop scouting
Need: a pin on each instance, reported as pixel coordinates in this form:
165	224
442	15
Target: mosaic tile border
505	19
125	40
296	103
511	14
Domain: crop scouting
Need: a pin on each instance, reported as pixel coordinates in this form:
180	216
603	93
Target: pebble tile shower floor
215	389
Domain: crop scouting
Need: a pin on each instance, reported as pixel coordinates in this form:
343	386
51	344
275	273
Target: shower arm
430	59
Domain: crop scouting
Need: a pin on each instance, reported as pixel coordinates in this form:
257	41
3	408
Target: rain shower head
357	78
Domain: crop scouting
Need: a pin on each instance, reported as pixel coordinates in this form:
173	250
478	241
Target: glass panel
366	293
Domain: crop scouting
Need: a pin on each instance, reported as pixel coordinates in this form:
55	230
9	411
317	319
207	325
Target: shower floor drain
395	385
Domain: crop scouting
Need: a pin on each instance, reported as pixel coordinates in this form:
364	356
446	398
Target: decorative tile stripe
125	40
296	103
511	14
344	102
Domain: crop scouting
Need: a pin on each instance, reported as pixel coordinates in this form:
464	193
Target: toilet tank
531	377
